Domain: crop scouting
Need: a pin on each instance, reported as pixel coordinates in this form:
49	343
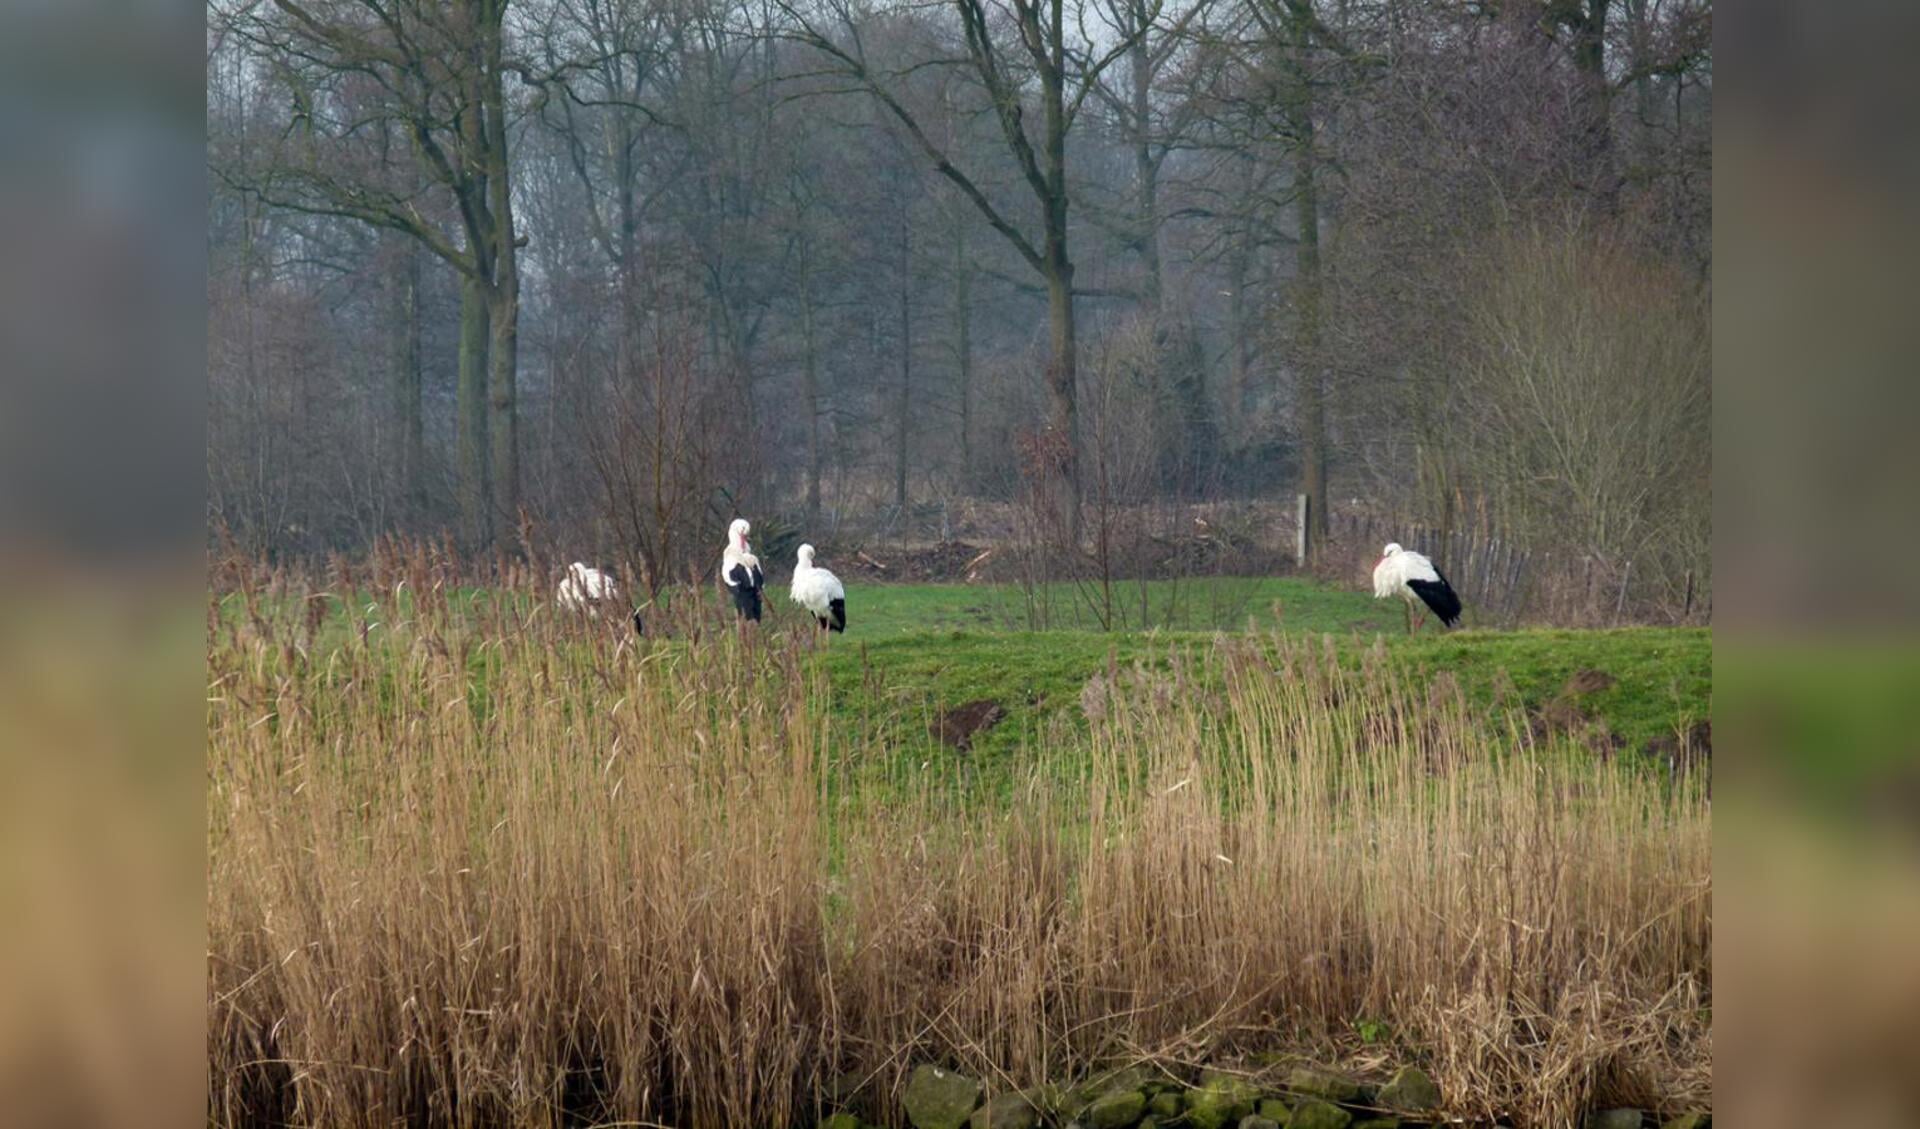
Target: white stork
585	589
820	592
741	571
1411	576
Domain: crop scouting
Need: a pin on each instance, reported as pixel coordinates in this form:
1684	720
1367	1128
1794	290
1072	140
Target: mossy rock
1219	1101
1694	1120
1113	1081
841	1121
1317	1083
1116	1110
1006	1111
1049	1098
1076	1100
1255	1121
1274	1109
1319	1115
1614	1119
940	1099
1166	1104
1410	1089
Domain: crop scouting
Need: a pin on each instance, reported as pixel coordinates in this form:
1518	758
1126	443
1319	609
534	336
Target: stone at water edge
1613	1119
1222	1101
1116	1111
940	1099
1075	1101
1318	1083
1006	1111
1048	1097
1273	1109
1410	1089
1319	1115
1166	1104
1116	1081
1694	1120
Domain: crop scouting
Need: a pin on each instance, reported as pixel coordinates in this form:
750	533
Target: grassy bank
1663	676
471	866
917	649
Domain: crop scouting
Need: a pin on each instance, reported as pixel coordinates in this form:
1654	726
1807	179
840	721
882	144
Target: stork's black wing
839	610
746	584
1440	596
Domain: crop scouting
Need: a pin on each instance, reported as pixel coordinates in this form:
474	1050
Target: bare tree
437	73
1005	48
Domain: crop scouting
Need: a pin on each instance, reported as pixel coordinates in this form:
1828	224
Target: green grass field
1213	603
913	649
1664	676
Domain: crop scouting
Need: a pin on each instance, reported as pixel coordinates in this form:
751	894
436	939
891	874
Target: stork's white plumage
820	592
1412	576
584	589
740	569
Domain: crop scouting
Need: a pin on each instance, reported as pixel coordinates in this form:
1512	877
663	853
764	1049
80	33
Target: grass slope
1664	676
913	648
1223	603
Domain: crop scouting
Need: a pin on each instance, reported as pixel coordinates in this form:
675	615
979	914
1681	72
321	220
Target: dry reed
481	865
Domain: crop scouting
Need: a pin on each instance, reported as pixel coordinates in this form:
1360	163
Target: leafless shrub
1586	397
659	435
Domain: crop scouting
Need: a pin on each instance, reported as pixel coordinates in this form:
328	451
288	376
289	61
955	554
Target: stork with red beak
740	569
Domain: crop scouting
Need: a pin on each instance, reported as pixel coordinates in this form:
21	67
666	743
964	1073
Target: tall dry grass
476	866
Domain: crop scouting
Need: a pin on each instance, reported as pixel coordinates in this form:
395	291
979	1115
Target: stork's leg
1408	609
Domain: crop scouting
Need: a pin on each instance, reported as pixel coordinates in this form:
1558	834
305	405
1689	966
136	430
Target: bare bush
659	435
1585	397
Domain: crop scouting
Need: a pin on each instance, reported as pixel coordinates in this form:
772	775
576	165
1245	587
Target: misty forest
1118	281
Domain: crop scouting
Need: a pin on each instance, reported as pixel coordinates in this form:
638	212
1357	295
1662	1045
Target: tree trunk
1063	371
1589	51
504	297
1642	35
503	416
963	343
1146	176
1063	425
810	386
902	436
1238	394
1311	392
409	459
476	529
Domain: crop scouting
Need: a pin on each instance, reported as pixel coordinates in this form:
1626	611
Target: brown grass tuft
484	865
